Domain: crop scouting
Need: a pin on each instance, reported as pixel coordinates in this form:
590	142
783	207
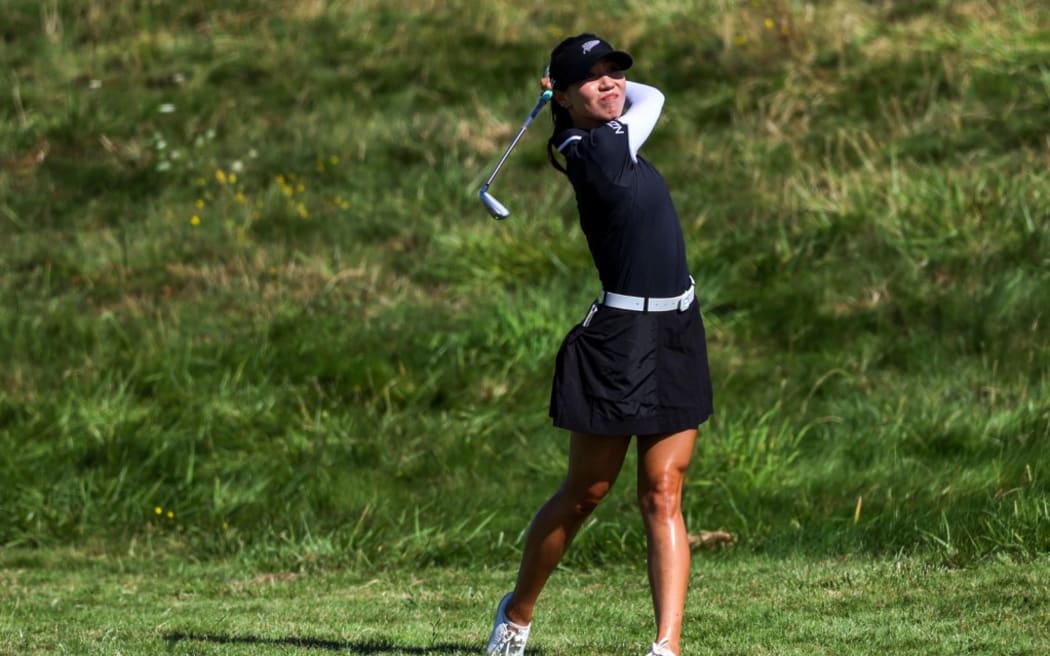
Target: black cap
572	60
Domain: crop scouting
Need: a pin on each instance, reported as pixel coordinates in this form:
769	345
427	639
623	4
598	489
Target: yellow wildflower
220	176
200	203
157	510
770	24
194	220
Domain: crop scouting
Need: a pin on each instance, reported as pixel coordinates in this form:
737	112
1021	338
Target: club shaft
535	110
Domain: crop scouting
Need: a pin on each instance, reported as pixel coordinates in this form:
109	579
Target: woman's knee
661	499
581	501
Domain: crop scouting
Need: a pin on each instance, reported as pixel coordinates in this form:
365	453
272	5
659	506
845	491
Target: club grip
544	99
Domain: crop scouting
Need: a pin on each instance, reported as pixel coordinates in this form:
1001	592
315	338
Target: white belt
650	303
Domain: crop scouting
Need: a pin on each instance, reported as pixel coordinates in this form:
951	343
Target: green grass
57	602
246	279
271	381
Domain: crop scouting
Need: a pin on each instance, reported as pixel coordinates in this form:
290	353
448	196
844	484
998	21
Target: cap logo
589	45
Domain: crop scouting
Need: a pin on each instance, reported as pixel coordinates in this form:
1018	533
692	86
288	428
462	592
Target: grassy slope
341	348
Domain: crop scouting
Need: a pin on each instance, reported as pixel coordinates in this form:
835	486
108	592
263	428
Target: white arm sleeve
643	110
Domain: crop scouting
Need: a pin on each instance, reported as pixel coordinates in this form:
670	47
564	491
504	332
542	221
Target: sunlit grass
55	601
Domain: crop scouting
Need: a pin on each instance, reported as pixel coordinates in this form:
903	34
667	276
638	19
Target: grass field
755	605
255	319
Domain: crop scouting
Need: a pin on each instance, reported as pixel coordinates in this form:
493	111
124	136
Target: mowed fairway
753	605
273	381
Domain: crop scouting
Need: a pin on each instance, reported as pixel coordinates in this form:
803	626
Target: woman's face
596	100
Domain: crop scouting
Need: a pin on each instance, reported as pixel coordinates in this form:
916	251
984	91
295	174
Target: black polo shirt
626	213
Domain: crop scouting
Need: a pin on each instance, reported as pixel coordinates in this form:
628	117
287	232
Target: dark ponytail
562	122
560	116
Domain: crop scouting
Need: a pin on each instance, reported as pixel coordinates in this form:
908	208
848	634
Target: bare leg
594	463
662	462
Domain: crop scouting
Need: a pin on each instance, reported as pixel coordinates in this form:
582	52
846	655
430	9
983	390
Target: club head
496	208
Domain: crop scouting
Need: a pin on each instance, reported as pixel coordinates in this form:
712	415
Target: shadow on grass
346	646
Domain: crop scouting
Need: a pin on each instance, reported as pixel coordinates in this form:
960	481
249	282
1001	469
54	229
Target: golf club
496	208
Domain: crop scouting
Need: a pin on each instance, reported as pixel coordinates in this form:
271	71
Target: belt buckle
687	299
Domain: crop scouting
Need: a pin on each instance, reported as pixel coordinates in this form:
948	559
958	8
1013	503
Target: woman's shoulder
568	141
604	140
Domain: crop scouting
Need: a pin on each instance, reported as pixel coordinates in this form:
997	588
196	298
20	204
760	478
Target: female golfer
637	363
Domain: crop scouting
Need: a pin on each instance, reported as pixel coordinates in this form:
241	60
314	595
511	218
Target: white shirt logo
590	44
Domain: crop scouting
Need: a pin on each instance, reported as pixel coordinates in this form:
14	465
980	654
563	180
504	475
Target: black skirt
633	373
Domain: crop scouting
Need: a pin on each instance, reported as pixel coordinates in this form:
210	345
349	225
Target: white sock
519	628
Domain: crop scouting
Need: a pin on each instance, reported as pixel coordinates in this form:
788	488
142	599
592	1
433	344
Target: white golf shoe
508	638
660	649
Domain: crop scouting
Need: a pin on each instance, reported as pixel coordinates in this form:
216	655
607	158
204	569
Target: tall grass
251	305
